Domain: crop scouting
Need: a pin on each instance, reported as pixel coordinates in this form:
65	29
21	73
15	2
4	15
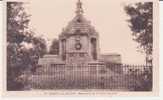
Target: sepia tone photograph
73	45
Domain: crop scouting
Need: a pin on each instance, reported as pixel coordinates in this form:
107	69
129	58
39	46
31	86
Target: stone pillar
63	50
94	48
60	48
97	47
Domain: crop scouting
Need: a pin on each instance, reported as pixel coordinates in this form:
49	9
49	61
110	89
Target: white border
2	45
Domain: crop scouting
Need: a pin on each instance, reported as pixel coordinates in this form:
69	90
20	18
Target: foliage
141	24
142	81
23	48
54	49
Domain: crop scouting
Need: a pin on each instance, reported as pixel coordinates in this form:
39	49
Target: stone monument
79	44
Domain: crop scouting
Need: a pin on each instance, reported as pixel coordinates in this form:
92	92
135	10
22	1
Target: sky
49	17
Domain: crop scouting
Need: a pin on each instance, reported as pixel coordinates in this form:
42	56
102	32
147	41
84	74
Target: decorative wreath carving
78	46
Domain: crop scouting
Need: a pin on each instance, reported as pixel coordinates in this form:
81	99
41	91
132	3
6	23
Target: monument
79	45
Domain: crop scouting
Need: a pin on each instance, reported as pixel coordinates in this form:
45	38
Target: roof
111	54
50	59
79	24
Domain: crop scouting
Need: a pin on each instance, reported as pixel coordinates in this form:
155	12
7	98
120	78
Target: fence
93	76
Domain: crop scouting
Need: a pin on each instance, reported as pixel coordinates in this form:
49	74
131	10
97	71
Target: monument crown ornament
79	10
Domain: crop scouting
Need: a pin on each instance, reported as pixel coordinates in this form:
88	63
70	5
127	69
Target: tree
23	48
39	49
54	49
141	24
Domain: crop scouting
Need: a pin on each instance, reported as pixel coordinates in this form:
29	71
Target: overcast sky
107	16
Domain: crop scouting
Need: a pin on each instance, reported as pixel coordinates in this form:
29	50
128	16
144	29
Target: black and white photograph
81	45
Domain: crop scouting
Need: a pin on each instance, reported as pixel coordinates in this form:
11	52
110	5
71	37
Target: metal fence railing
93	76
